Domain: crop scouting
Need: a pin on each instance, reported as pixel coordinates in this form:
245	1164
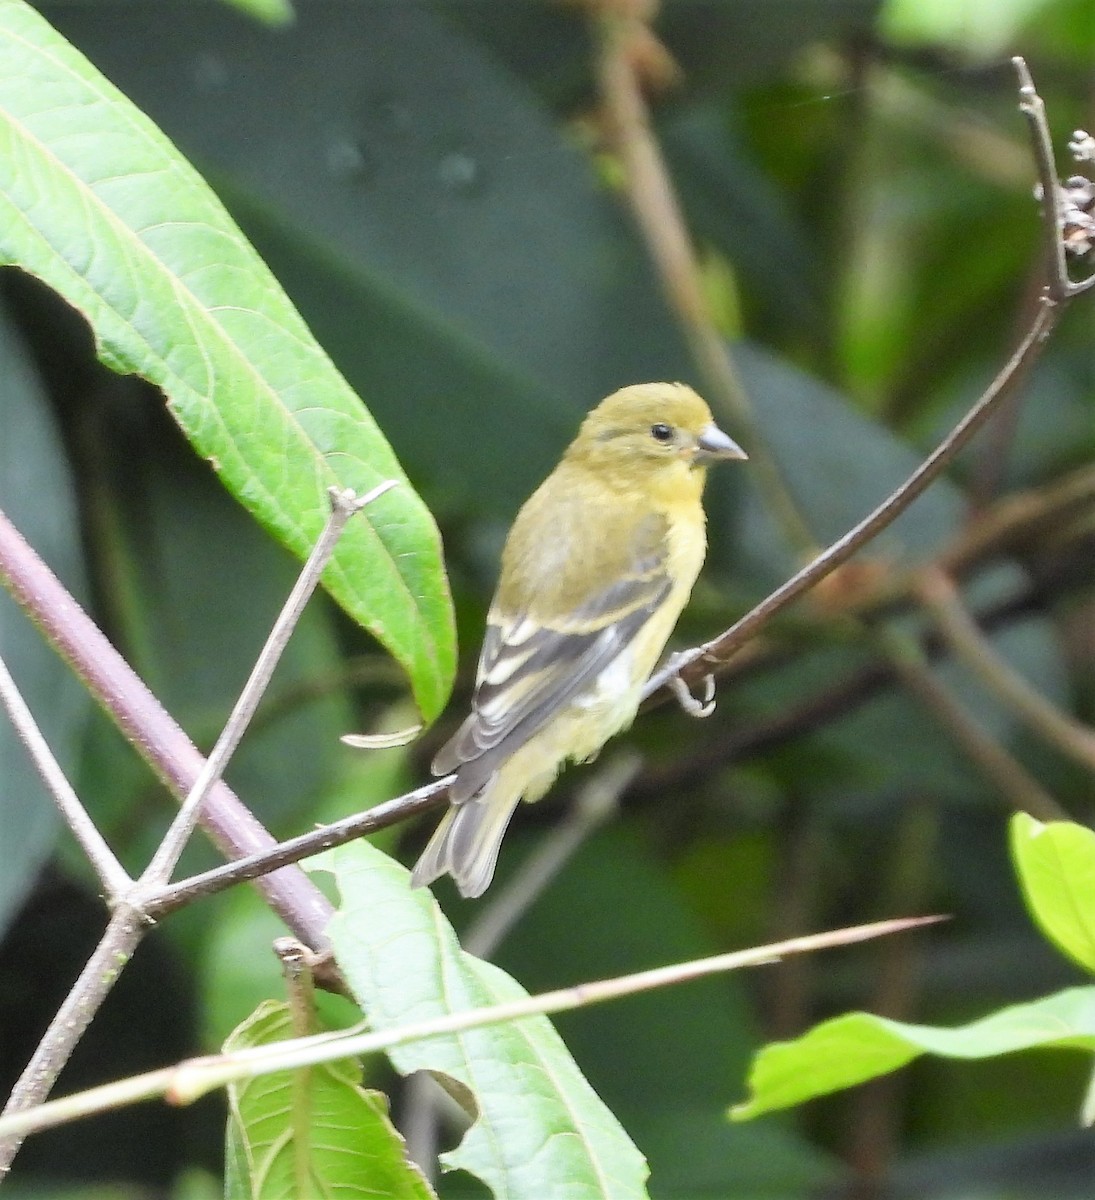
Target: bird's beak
714	444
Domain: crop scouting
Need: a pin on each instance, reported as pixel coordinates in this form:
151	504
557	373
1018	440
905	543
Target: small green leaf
97	203
314	1132
858	1046
270	12
1056	867
539	1129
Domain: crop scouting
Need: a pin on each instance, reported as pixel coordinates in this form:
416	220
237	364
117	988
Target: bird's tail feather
465	845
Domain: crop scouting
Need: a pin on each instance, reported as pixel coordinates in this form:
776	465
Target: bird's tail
465	845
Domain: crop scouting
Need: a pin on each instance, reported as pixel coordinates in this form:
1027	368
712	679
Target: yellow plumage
596	569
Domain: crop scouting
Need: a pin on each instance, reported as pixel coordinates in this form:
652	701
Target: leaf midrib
129	235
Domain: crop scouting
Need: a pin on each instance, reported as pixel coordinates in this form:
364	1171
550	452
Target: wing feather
530	669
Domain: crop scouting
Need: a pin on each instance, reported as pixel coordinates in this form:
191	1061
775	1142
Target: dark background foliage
424	180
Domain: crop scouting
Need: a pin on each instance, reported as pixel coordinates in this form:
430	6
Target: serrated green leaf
408	196
858	1046
98	204
1055	863
314	1133
540	1129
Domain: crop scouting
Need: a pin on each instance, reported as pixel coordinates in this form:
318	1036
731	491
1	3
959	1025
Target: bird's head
651	428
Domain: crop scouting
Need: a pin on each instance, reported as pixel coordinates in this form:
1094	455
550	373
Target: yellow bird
596	569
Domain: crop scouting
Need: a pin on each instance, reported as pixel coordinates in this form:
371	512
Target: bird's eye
661	433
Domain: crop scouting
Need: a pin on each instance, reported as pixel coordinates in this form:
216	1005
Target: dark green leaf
36	495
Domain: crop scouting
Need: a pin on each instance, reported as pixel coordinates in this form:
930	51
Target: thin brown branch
423	799
123	935
344	504
701	659
658	214
970	645
998	765
112	875
187	1081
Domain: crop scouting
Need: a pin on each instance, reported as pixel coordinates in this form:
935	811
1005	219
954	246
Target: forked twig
344	503
147	726
130	919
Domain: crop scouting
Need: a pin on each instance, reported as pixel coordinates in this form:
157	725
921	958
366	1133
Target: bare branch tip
1026	81
346	500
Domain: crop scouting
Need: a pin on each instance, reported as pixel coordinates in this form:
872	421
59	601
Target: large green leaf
315	1132
858	1046
98	204
422	192
1056	867
539	1129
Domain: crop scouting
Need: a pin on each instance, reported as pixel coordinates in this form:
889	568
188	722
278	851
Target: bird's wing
530	668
